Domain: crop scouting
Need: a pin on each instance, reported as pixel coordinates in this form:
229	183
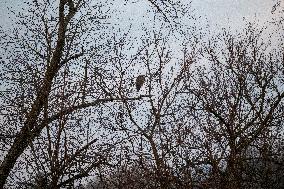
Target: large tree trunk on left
31	129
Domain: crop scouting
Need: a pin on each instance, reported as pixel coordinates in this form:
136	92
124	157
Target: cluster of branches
209	115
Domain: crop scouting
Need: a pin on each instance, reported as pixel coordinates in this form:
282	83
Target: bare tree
238	100
77	102
147	123
47	49
53	74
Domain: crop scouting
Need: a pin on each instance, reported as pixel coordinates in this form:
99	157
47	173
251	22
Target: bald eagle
140	81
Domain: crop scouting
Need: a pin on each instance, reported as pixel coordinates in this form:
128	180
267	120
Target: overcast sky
217	12
232	12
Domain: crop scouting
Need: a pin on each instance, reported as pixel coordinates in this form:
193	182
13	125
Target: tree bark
27	134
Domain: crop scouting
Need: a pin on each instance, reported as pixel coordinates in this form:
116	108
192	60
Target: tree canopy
85	104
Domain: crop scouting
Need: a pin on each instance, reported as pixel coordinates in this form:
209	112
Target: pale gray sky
218	12
232	12
215	13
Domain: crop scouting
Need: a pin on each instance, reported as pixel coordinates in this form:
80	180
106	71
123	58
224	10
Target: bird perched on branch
140	81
